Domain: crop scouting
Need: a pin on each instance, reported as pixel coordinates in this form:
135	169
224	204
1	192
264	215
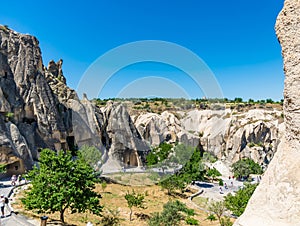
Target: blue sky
236	39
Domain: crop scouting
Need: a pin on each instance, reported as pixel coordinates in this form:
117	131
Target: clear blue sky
236	38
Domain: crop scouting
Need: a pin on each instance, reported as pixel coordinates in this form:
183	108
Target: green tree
152	159
245	167
213	173
172	183
238	202
91	154
62	182
134	200
193	169
217	208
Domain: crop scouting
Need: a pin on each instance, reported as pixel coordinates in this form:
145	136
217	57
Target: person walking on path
2	205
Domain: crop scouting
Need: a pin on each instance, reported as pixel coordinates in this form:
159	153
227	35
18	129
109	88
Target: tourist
13	180
221	191
2	204
225	185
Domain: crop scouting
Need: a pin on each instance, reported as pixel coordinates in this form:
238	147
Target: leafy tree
91	154
62	182
218	208
172	183
134	200
172	215
245	167
159	154
164	151
213	173
238	202
152	159
193	169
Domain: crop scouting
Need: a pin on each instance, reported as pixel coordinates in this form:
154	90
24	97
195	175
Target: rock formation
276	201
38	110
228	135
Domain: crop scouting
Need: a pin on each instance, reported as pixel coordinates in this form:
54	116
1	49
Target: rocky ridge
38	110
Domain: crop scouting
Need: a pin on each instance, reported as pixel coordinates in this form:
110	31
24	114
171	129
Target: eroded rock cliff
227	134
276	201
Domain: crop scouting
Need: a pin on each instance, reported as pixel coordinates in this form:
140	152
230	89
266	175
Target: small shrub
211	217
225	221
191	221
221	183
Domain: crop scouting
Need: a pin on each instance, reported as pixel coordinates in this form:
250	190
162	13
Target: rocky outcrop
276	201
28	106
227	134
38	110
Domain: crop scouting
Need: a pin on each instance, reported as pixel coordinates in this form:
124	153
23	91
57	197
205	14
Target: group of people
15	179
225	184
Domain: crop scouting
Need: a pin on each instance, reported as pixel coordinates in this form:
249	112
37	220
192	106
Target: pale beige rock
276	201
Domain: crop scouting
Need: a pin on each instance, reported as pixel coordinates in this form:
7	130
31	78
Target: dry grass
113	198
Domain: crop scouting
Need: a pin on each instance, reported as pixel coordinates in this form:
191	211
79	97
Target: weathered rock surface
227	134
28	106
276	201
38	110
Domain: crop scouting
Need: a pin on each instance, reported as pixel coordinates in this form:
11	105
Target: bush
211	217
173	213
225	221
191	221
221	183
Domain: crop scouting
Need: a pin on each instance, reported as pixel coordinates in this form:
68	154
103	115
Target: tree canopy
134	200
62	182
245	167
238	202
